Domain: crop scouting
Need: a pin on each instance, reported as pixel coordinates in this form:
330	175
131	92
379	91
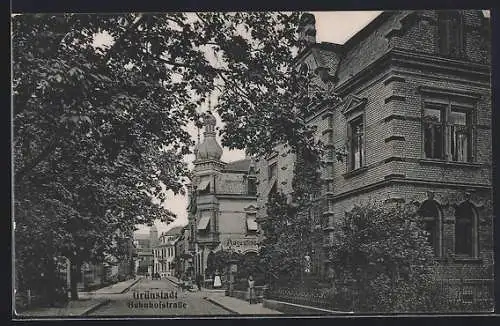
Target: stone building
164	252
183	258
414	122
222	209
144	244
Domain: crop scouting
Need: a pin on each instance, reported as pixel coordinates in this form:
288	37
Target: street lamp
233	269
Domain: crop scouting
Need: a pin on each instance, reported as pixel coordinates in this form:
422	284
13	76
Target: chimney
307	30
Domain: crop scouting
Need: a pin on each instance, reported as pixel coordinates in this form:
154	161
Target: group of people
187	283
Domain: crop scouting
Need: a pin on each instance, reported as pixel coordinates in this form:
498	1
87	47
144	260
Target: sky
334	27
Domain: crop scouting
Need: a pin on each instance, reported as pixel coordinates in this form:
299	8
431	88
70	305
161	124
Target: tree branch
29	167
119	41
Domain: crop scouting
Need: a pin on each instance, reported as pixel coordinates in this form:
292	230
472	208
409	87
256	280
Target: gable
353	103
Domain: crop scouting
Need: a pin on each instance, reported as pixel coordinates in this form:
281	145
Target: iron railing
448	296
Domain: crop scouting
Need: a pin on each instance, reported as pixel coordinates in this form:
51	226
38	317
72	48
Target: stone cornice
389	182
395	56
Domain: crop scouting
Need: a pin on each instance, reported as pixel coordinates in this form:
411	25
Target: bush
382	260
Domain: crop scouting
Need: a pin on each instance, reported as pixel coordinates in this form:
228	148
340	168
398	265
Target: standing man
251	290
198	281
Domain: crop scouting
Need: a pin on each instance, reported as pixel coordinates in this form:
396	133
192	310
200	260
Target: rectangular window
460	135
273	170
447	130
433	132
451	38
252	187
357	143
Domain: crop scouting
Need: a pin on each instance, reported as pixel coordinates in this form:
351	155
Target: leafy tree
289	229
382	260
101	130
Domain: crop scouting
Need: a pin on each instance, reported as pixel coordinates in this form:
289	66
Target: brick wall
394	91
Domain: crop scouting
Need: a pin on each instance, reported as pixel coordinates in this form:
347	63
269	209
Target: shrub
382	260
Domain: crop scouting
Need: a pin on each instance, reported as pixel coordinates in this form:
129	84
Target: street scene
252	163
188	303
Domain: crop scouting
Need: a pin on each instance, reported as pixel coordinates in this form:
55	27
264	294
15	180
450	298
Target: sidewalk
87	302
238	306
80	307
117	288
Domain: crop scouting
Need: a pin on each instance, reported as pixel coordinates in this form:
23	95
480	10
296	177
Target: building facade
414	123
222	209
164	253
183	259
144	244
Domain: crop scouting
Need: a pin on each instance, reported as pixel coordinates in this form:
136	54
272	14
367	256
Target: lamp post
233	269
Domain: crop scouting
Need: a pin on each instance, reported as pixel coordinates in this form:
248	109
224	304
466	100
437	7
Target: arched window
465	230
429	211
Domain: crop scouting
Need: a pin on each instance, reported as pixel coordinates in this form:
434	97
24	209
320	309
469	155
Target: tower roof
209	149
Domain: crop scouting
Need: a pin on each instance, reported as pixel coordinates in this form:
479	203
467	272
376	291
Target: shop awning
251	224
203	185
202	225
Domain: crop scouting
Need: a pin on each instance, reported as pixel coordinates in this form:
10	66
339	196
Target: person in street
198	281
251	289
217	280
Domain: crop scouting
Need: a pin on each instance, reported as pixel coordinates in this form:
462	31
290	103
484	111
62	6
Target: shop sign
240	244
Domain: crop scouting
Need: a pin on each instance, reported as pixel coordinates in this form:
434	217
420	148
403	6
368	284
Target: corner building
414	122
222	209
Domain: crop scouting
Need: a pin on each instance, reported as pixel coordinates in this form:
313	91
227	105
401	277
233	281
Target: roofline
353	39
323	46
368	28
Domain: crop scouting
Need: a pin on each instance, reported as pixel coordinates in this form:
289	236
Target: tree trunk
74	276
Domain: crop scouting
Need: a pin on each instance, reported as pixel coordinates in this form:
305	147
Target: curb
95	307
221	305
300	310
175	282
132	284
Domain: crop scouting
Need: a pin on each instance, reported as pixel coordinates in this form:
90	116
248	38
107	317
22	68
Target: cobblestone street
130	303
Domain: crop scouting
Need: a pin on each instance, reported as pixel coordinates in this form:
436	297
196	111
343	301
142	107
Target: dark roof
174	231
241	165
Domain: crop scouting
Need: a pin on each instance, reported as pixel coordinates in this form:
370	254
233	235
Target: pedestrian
198	281
251	290
217	280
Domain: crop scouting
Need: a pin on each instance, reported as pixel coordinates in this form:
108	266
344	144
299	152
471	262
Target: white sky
334	27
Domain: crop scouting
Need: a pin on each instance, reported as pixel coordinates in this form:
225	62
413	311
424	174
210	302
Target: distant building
144	244
222	207
183	260
164	252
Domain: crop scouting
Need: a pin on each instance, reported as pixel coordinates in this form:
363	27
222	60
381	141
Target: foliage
381	257
289	228
100	130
